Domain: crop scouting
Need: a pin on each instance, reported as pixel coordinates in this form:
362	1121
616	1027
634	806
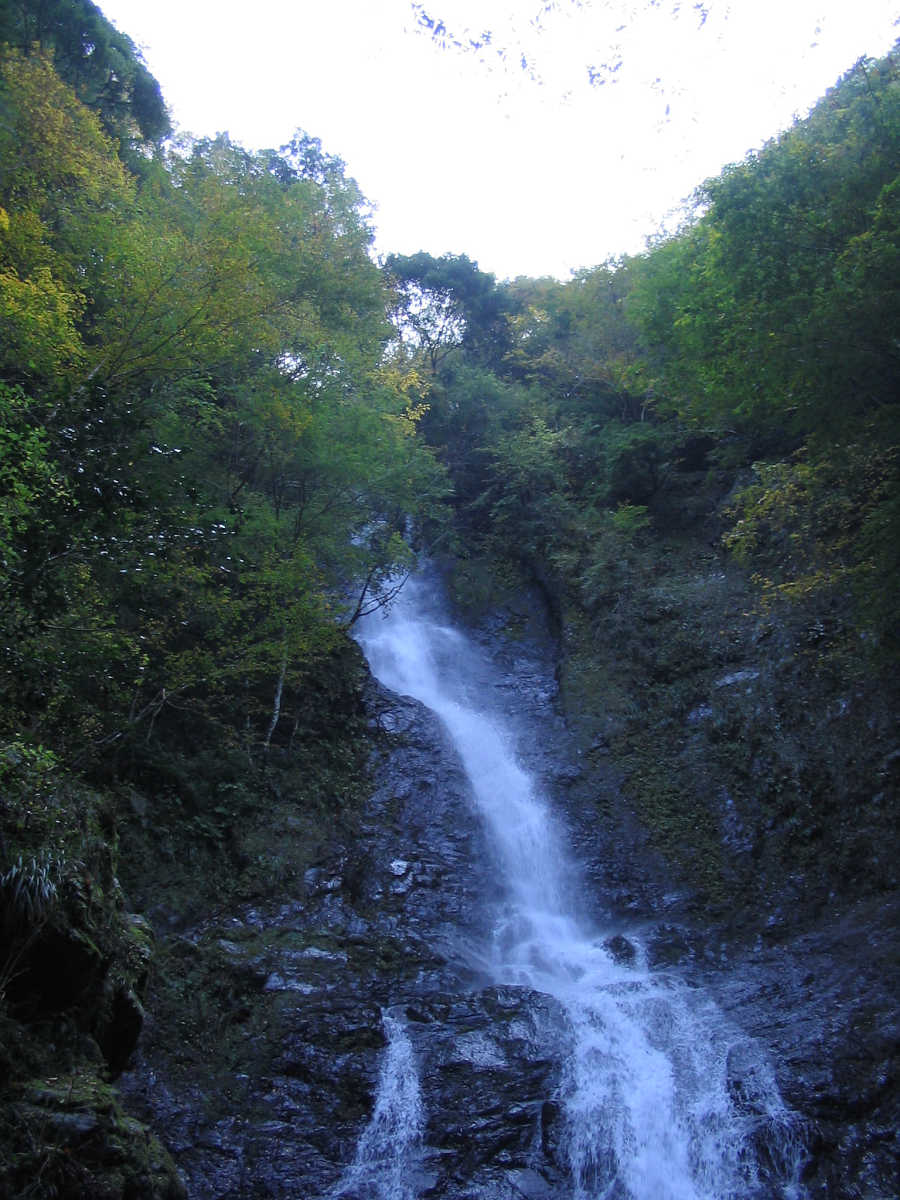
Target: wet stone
401	922
621	949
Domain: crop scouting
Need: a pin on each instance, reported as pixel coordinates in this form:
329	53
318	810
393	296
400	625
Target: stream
485	987
655	1094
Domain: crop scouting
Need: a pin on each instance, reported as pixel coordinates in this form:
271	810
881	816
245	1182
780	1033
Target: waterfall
387	1151
662	1099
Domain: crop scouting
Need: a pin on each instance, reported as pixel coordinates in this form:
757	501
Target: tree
744	315
99	63
63	193
205	448
517	40
448	303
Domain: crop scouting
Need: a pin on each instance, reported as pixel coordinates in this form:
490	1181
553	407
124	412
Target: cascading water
388	1148
662	1100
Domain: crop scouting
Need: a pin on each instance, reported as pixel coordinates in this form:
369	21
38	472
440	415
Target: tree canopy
219	413
95	59
761	338
206	454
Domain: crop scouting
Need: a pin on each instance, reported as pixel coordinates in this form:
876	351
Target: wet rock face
817	989
271	1095
825	1004
277	1105
488	1068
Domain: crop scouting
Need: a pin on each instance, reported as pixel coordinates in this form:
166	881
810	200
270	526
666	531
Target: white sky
459	153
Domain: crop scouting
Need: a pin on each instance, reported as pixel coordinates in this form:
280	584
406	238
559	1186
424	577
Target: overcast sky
468	153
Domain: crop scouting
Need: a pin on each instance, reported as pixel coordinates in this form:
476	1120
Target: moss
62	1132
212	1020
253	843
748	744
481	583
189	830
65	1135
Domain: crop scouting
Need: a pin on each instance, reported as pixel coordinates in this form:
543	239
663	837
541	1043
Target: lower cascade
658	1096
387	1151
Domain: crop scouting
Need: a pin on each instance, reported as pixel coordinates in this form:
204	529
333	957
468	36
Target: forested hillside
207	460
761	337
220	419
695	452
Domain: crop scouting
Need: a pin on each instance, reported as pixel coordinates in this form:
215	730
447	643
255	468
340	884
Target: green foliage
448	303
55	834
203	446
28	890
528	499
606	558
575	341
764	332
27	478
751	316
815	529
630	521
632	456
62	195
205	462
95	59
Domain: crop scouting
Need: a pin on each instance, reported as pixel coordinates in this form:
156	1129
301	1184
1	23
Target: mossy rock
66	1136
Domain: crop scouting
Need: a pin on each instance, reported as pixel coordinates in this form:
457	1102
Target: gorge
448	1008
645	1078
568	869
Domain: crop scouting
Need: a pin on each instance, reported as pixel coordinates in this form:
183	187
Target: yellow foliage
54	146
38	317
61	187
805	522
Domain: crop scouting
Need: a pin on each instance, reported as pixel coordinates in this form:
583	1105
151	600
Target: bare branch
379	600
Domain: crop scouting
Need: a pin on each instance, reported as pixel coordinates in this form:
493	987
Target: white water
649	1111
389	1147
